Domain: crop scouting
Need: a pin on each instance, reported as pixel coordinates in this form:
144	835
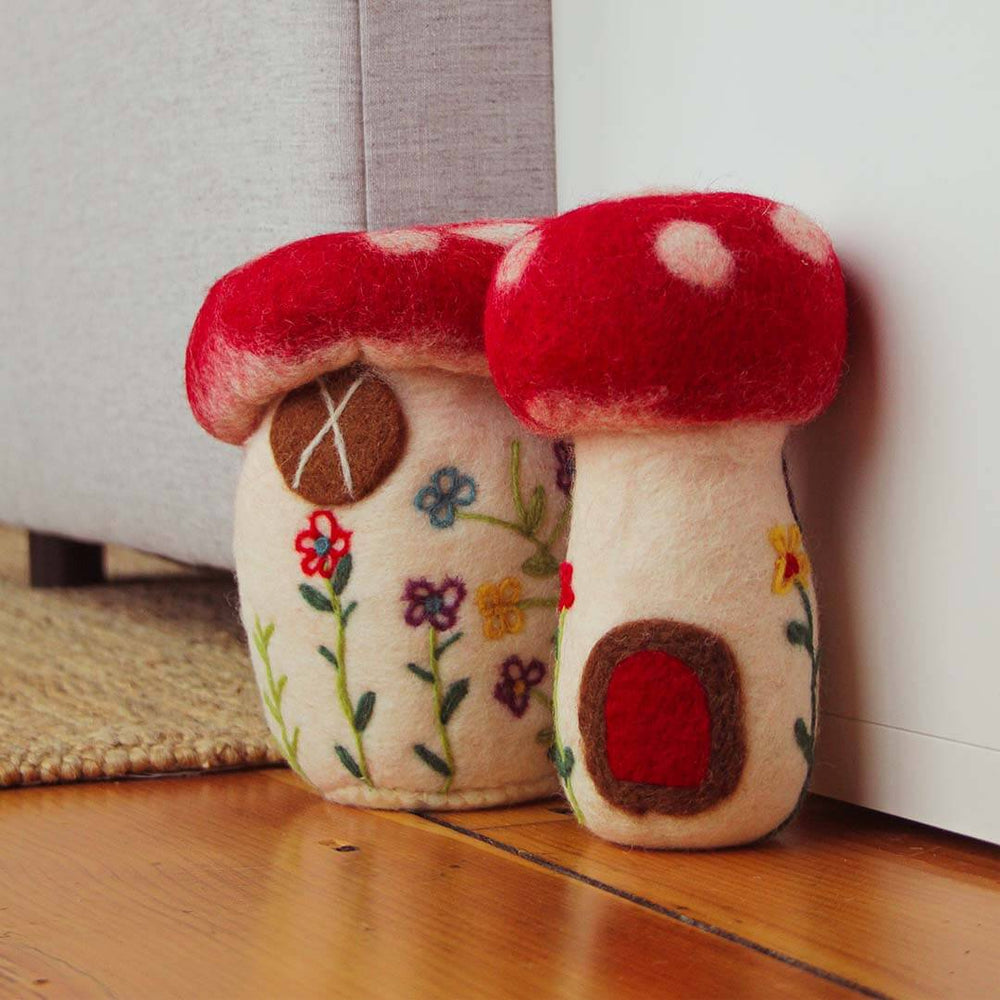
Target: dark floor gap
648	904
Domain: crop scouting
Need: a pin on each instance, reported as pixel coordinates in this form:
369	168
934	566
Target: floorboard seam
665	911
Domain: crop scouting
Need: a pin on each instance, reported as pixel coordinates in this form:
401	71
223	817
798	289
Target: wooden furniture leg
62	562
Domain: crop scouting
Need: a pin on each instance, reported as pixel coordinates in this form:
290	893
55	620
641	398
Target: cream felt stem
678	526
340	671
456	459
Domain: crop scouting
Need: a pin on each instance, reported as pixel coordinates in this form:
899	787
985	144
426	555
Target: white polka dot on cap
501	233
405	240
516	260
693	252
800	232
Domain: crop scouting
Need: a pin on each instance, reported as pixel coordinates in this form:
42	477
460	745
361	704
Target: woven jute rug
147	674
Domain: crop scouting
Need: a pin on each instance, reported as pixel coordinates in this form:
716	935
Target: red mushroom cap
667	310
405	298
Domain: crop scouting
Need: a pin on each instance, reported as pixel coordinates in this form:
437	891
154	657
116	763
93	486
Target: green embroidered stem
498	521
560	525
529	518
442	727
342	694
538	602
562	756
803	634
515	480
274	694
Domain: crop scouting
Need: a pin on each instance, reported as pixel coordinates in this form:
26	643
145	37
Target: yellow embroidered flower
792	564
498	604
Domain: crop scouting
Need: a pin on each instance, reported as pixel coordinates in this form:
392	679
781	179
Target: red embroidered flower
436	605
323	545
516	681
566	595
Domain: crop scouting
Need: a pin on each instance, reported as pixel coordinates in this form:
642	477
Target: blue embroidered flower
448	491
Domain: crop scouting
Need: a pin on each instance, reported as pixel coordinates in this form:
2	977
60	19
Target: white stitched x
332	424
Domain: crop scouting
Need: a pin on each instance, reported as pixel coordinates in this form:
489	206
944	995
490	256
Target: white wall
882	120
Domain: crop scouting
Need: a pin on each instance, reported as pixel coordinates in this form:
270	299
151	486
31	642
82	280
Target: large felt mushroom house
677	338
398	534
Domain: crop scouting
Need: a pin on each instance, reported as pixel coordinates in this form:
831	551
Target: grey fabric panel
147	148
457	109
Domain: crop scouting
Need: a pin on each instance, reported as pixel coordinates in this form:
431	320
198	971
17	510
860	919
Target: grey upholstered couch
149	147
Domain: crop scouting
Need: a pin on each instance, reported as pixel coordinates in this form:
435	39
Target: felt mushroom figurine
677	338
398	534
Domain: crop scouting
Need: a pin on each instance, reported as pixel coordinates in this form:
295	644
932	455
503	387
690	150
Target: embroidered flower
497	603
447	491
565	465
792	564
438	606
323	544
516	681
566	595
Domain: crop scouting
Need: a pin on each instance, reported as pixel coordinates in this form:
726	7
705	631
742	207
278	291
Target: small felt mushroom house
677	338
398	534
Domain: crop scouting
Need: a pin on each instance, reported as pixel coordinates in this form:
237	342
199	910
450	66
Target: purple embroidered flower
437	606
516	681
565	465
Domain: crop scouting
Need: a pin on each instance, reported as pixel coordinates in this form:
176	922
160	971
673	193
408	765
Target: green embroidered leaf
262	637
328	654
312	596
432	760
798	634
541	564
342	573
348	761
363	713
804	739
280	686
545	737
450	641
348	611
294	743
536	510
563	760
424	675
271	707
453	698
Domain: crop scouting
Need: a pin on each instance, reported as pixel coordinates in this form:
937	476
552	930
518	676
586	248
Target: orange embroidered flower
498	604
792	564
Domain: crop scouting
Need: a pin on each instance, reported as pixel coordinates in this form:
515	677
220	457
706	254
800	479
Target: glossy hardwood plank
247	885
899	908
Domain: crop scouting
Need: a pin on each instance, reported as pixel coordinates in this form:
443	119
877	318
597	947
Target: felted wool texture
668	310
399	299
454	421
675	526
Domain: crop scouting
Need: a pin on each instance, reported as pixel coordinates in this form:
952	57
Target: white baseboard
955	786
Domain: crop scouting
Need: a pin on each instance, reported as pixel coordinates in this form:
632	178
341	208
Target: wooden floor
247	885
